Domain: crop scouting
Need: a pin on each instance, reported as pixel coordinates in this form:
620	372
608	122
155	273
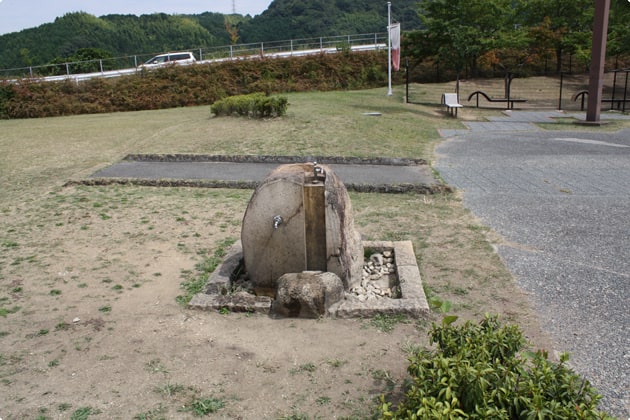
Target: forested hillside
116	34
286	19
120	35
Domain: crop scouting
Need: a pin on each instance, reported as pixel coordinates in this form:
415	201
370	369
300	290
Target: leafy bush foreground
480	371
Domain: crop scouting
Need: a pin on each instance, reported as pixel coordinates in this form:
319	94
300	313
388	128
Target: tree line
465	37
470	37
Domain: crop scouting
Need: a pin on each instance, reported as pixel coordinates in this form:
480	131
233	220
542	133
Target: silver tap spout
277	221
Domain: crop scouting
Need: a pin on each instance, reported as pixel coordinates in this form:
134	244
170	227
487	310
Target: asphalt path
254	172
561	201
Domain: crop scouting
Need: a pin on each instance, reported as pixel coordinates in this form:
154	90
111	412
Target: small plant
105	308
156	366
55	292
153	414
10	244
83	413
170	390
306	367
386	323
195	285
322	400
336	363
295	416
200	407
64	406
6	311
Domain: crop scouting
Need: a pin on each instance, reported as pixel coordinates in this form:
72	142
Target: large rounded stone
275	236
307	295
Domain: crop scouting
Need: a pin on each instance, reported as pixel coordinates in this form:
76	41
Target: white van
182	58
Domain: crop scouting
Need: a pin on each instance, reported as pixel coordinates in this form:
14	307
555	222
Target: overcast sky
16	15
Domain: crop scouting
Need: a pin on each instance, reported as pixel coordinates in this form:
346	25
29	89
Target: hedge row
256	105
201	84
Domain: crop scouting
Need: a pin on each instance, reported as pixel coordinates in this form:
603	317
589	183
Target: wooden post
598	58
315	224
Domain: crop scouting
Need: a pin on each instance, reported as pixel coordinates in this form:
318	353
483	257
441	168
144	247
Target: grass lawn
89	275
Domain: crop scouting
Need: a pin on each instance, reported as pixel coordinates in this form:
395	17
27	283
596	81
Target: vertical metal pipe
598	56
560	97
389	48
407	79
612	98
625	92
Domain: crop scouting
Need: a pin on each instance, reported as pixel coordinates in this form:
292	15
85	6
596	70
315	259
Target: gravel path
561	201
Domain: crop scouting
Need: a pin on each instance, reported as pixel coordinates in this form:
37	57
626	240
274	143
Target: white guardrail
277	49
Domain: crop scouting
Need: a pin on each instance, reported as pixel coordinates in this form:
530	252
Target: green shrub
6	93
479	371
255	105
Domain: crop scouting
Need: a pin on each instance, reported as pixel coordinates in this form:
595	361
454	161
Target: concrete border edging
413	303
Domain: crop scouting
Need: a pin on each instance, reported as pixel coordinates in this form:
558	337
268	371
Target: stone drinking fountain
300	256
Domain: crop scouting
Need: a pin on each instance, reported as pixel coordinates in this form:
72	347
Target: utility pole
598	59
233	7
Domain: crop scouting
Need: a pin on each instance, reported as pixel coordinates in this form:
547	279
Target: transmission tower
233	7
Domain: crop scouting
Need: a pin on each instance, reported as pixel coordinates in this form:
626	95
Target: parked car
183	57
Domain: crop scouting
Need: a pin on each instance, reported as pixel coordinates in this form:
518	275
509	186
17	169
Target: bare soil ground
89	323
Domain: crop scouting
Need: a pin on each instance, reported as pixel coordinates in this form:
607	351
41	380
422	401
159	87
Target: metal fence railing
129	64
562	91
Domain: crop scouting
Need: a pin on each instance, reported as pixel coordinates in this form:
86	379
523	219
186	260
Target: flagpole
389	47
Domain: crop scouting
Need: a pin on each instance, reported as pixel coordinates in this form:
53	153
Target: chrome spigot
317	170
277	221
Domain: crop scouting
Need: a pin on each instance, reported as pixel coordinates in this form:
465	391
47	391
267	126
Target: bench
510	101
582	94
449	100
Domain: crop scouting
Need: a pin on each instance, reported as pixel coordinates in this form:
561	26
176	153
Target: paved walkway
561	201
521	121
401	176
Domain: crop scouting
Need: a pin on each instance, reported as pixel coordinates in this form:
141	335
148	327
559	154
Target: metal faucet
277	221
317	170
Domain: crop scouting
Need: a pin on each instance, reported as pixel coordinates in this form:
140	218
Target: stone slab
413	302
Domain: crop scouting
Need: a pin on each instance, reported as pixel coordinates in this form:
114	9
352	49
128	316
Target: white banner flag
394	33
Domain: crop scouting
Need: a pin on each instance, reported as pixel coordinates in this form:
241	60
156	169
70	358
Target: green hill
121	35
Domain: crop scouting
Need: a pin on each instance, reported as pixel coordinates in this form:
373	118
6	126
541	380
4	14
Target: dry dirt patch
89	281
89	276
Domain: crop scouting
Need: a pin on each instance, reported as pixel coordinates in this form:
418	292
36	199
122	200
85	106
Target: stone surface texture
308	294
271	250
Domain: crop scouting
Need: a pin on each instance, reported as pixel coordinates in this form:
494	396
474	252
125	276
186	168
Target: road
561	201
281	54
